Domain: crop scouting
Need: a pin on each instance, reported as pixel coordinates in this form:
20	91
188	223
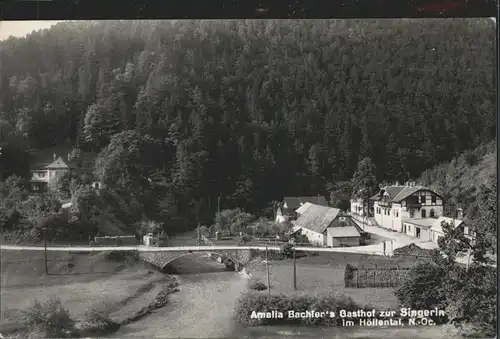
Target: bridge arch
236	263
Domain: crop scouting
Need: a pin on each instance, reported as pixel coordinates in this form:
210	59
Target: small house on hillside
287	209
327	226
45	175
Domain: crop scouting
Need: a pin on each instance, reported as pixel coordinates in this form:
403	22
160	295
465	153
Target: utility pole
45	250
294	270
267	269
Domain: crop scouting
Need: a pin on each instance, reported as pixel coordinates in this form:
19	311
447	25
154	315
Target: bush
424	287
287	250
260	302
245	239
50	318
257	285
120	256
97	320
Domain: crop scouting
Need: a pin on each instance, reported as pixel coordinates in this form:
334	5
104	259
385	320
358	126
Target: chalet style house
326	226
287	209
397	205
44	176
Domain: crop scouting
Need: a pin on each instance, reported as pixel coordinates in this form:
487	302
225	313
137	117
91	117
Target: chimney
460	213
396	183
54	156
407	183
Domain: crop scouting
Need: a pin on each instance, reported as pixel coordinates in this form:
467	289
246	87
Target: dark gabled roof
295	202
58	164
317	218
399	193
407	191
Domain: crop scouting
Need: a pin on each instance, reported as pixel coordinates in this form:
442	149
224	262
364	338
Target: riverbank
122	285
202	308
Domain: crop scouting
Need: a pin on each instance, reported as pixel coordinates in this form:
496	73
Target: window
433	214
41	174
433	199
424	214
412	213
422	199
397	214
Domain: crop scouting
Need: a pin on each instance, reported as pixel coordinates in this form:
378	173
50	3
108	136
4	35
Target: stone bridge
160	259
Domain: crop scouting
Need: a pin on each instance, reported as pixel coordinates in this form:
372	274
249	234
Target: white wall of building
392	217
313	237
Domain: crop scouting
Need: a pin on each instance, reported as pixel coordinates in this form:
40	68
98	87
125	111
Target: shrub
348	274
97	319
257	285
423	287
287	250
51	318
120	256
245	239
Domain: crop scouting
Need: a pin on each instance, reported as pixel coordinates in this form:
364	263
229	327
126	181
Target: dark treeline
255	110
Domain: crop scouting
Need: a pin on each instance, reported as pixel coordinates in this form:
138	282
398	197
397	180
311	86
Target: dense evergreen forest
252	110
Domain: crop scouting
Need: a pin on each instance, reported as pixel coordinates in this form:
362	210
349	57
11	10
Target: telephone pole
45	250
294	270
267	269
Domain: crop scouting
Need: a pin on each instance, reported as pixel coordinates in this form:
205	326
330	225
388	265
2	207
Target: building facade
326	226
45	178
398	203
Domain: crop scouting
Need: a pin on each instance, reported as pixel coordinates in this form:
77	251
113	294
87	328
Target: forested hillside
258	109
460	179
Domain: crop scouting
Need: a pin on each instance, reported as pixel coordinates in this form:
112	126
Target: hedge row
262	302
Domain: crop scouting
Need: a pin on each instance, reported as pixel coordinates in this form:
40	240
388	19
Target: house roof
58	164
317	218
392	191
303	208
436	226
423	222
295	202
399	193
348	231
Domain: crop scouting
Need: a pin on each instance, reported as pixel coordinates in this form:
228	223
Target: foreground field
324	274
81	281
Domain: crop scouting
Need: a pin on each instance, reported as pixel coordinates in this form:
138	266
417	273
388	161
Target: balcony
385	203
414	205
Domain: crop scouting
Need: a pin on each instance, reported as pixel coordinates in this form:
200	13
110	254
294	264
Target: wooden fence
374	277
119	240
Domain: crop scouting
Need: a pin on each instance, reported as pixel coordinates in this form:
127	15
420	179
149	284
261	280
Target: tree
93	127
14	160
364	182
129	161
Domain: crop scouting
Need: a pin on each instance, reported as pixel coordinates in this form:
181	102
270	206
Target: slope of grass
79	280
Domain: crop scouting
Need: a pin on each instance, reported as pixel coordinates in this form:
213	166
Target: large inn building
411	209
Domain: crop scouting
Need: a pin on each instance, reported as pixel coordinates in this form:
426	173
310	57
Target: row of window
421	199
387	211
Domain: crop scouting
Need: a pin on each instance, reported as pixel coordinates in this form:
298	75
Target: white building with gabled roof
45	176
395	205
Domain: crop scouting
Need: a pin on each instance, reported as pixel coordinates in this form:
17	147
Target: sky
22	28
